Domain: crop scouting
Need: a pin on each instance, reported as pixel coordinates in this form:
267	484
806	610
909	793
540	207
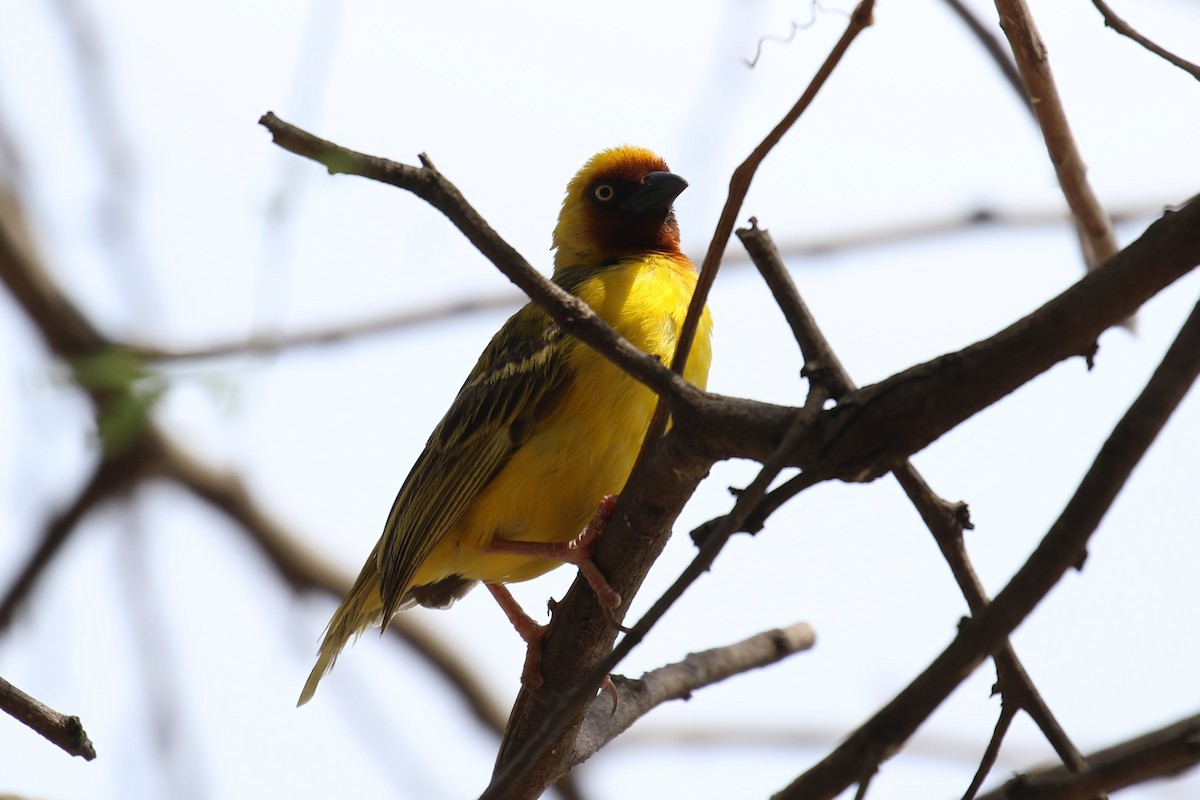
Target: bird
520	474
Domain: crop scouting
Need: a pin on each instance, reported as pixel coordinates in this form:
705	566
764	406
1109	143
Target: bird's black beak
657	192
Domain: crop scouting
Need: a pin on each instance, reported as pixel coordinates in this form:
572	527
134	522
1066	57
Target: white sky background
229	235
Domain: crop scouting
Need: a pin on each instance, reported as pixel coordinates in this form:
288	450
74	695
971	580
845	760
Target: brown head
619	204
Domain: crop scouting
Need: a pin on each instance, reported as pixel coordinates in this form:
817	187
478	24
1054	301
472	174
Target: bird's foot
610	687
532	633
579	552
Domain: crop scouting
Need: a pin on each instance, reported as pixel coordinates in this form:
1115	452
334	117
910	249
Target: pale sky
183	654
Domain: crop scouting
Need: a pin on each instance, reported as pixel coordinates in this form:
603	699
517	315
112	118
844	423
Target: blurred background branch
909	206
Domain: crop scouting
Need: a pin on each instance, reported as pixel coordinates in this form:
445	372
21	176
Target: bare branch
1119	25
536	745
1162	753
66	331
1059	550
946	521
574	315
69	333
353	330
334	334
821	365
677	681
1008	713
111	476
739	186
1095	230
65	731
994	48
878	426
304	570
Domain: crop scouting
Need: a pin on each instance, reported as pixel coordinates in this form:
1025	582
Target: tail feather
359	610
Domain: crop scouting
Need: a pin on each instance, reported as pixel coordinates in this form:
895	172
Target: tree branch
580	634
1162	753
69	334
65	731
1095	230
1008	713
333	334
353	330
1111	20
110	477
864	436
878	426
304	570
574	315
1059	550
946	521
739	186
994	48
677	681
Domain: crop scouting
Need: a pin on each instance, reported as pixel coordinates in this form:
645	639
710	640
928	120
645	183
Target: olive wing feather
513	386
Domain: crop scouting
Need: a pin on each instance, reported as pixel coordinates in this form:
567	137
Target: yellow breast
552	485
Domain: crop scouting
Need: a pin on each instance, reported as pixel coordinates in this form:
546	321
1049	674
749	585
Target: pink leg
578	551
535	642
533	634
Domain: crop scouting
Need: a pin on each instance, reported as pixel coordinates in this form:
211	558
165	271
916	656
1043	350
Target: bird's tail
359	610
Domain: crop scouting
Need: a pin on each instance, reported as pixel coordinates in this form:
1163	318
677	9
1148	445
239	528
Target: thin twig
557	717
65	731
574	315
304	570
109	477
677	681
1059	550
512	763
994	47
1008	713
739	187
878	426
945	520
1095	230
355	330
1162	753
1119	25
333	334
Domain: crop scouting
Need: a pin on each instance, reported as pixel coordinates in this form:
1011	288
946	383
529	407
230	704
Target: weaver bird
544	427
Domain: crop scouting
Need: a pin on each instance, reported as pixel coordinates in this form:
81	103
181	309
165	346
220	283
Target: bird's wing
519	379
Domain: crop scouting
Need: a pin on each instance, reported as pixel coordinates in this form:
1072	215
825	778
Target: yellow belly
550	488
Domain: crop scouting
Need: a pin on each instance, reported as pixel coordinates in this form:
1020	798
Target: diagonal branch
304	570
538	739
1058	551
333	334
946	521
677	681
739	187
353	330
65	329
1008	712
994	48
110	477
1119	25
1161	753
1095	230
574	315
582	654
878	426
65	731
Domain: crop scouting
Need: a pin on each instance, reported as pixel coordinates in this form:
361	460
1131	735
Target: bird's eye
604	192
